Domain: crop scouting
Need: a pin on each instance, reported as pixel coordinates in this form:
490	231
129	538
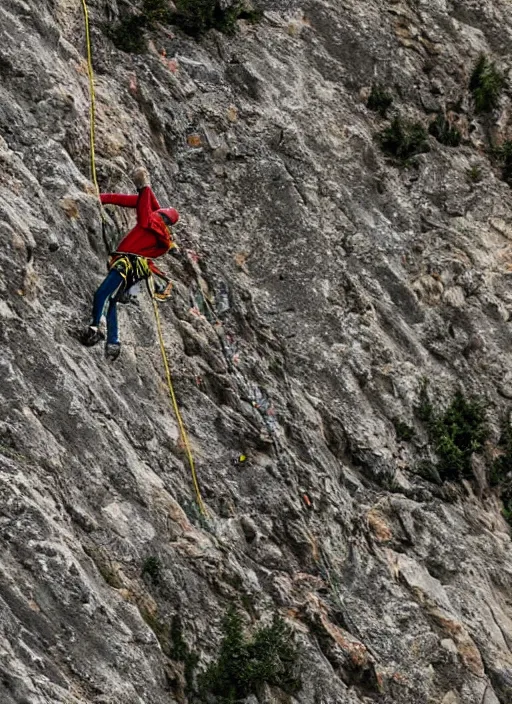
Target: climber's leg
112	326
113	346
108	290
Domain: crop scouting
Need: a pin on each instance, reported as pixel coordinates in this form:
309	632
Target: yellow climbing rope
183	432
92	135
92	104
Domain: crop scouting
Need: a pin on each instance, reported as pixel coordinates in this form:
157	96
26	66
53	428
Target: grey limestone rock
342	279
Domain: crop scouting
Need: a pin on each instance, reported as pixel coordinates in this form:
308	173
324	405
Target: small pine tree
445	132
129	34
486	84
474	174
180	651
404	140
195	17
198	16
379	100
244	665
456	433
156	11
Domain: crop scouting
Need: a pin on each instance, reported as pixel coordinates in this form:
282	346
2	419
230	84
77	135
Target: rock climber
132	261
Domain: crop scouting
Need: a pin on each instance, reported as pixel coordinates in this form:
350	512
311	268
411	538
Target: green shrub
403	431
181	652
486	84
404	140
179	648
198	16
474	174
456	433
225	19
153	568
156	11
253	16
379	101
193	16
244	665
128	34
445	132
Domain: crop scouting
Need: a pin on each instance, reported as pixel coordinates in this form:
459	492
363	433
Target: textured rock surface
349	279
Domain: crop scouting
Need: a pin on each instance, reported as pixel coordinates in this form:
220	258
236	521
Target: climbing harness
132	267
133	270
183	432
139	266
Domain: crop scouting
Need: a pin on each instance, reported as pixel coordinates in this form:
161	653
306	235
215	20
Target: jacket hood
171	213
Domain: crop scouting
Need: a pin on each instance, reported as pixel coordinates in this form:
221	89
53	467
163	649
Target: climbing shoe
91	336
112	350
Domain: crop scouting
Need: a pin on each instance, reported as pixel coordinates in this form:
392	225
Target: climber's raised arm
125	201
146	204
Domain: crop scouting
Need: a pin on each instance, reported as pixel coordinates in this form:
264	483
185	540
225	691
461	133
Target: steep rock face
349	280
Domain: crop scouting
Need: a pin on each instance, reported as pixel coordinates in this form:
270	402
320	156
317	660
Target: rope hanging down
92	123
183	432
151	287
92	95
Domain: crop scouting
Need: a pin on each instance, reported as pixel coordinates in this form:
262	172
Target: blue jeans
107	294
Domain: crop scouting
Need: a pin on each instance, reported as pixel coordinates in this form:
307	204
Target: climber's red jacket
150	237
